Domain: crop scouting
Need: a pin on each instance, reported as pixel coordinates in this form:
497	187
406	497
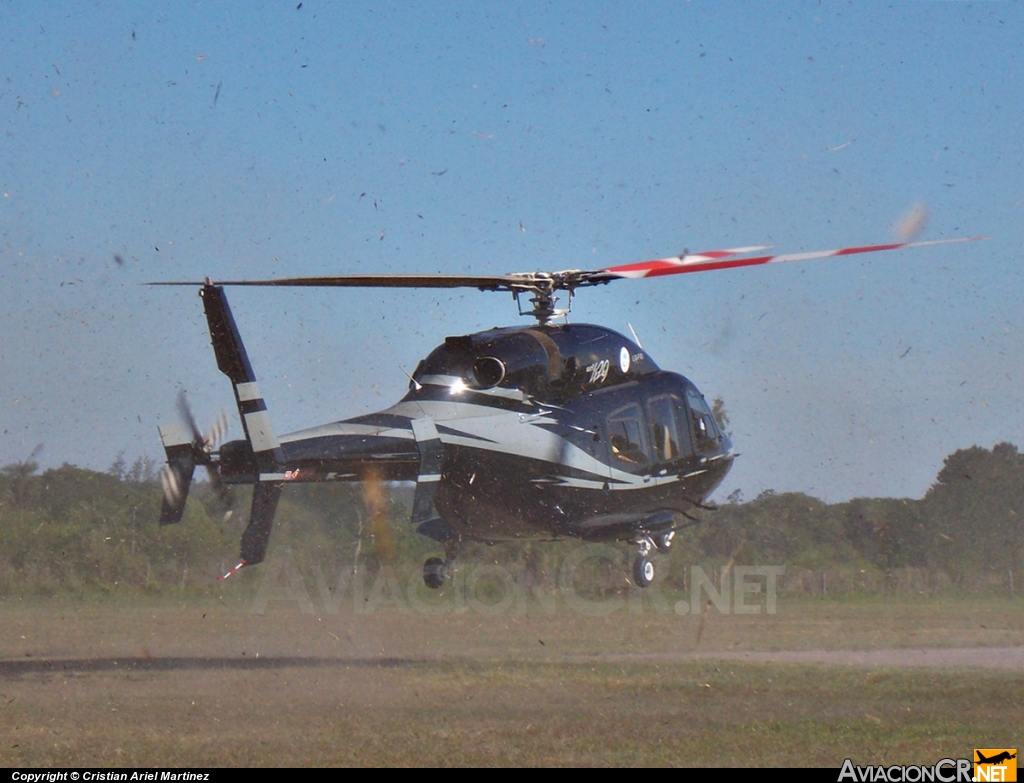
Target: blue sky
262	139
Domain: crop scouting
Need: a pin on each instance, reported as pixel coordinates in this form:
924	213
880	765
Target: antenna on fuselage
412	381
635	338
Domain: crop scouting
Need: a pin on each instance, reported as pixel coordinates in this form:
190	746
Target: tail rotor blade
171	485
227	497
217	431
202	447
175	479
185	412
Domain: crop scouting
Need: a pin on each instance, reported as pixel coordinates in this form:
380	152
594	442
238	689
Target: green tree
19	473
720	414
118	467
888	532
975	508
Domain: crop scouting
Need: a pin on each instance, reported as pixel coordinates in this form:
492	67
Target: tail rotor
186	446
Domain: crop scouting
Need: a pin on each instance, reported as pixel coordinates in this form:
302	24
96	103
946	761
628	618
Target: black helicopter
549	431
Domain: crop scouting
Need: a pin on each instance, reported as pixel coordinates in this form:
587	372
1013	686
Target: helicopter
550	431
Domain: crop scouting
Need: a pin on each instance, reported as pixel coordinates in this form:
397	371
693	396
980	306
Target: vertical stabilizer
233	361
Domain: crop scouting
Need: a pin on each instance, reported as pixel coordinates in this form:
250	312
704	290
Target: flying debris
910	225
548	431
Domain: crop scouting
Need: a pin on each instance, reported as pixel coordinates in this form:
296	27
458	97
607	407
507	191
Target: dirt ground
158	682
1010	658
239	626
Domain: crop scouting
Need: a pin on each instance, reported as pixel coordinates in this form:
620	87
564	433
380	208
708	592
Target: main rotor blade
509	282
545	283
706	262
482	282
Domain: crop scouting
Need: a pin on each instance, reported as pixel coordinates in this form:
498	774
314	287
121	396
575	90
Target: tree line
70	529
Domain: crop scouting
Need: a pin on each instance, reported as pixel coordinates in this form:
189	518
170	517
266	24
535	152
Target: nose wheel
643	571
643	568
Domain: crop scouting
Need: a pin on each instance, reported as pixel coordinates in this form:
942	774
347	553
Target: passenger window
626	433
664	429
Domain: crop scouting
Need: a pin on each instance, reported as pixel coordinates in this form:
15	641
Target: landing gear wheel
434	573
643	571
664	540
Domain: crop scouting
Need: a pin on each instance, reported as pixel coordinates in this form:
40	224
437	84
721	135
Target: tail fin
233	361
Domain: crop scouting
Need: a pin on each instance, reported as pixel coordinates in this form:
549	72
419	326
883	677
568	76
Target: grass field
150	681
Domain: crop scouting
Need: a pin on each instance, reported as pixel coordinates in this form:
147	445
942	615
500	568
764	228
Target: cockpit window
705	431
626	433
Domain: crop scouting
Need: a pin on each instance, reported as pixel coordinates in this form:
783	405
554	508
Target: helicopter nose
726	445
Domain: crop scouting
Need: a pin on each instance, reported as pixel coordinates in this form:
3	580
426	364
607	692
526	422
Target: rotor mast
541	287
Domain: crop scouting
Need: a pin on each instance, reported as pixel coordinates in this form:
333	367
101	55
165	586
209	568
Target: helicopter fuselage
547	431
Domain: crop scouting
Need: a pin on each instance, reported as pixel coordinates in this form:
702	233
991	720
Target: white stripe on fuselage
489	429
345	428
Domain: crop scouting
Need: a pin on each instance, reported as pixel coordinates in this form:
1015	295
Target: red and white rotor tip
722	259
